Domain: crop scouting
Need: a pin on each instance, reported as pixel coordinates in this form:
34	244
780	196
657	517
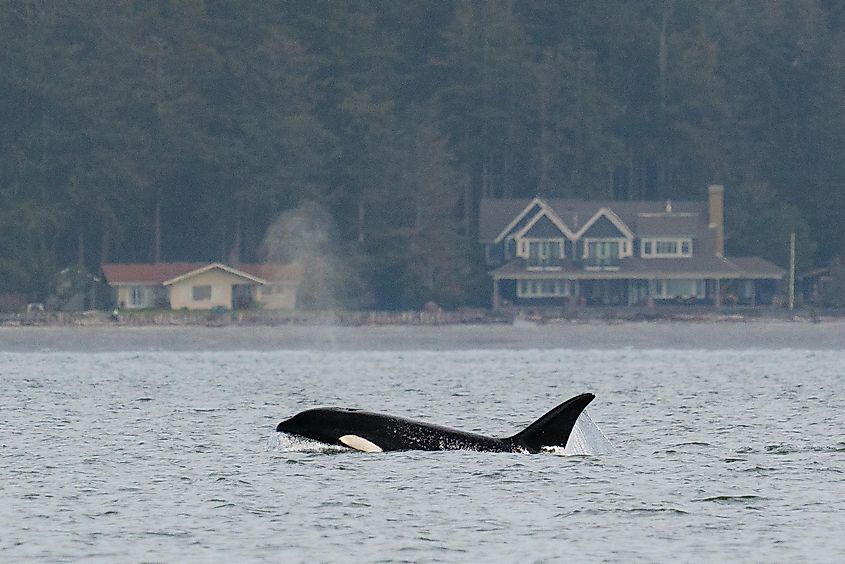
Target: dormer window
666	248
600	253
543	253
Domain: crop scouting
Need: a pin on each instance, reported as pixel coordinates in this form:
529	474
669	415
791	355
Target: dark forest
136	131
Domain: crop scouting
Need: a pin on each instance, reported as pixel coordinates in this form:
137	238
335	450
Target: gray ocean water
159	445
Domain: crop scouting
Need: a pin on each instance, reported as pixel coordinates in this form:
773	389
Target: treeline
182	129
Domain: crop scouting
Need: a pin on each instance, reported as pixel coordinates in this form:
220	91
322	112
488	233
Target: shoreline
769	334
463	317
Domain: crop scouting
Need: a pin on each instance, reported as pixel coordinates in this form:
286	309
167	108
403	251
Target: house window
667	248
681	288
548	288
544	253
602	253
136	295
201	293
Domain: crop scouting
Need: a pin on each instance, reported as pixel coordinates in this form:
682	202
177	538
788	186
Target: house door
606	292
242	297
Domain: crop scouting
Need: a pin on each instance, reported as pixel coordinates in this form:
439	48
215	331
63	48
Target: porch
628	292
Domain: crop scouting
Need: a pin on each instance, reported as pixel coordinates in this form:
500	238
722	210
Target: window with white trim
604	252
546	288
606	248
543	253
679	288
666	248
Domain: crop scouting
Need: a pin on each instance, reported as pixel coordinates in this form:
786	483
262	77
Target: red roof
149	273
157	273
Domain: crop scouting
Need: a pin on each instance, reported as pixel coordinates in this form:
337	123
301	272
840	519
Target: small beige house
213	285
204	285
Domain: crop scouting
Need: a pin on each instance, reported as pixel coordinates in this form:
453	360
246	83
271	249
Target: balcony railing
537	263
602	263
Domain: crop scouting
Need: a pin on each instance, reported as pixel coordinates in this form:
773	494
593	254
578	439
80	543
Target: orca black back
375	432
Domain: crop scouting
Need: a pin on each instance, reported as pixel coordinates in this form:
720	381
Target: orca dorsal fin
553	428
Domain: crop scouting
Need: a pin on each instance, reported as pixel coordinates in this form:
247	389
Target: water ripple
170	455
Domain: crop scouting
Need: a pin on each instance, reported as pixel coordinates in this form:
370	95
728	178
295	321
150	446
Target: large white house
549	251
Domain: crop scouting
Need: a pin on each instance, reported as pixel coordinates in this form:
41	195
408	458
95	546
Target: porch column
652	289
495	293
630	293
717	293
753	293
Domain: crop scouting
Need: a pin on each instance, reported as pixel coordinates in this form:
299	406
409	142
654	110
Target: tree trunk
105	243
80	249
362	212
663	63
235	251
157	236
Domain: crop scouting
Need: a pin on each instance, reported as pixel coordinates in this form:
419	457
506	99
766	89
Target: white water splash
283	442
586	438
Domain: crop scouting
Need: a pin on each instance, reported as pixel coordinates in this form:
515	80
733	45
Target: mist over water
164	449
307	235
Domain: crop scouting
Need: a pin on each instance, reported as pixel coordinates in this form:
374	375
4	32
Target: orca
376	432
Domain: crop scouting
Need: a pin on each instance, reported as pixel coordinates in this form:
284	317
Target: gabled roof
498	214
523	216
614	219
214	266
159	273
543	228
544	212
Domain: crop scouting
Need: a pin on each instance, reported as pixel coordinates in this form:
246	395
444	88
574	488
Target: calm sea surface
159	444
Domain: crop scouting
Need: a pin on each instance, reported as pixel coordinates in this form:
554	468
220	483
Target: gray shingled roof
757	267
575	213
666	225
496	214
645	219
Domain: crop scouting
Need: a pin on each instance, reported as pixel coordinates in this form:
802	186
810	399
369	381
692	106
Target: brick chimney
716	205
